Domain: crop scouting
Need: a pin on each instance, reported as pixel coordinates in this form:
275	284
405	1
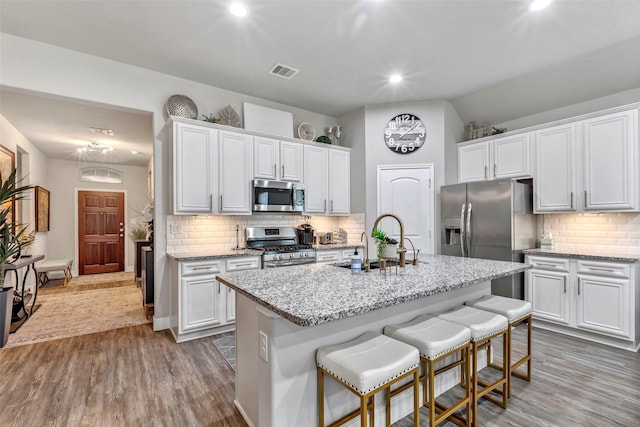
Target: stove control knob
291	256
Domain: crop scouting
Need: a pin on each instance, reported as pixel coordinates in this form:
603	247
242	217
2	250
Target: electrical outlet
176	228
264	346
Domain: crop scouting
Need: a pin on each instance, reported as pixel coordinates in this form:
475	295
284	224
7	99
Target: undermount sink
373	265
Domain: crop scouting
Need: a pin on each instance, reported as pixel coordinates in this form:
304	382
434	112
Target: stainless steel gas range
279	246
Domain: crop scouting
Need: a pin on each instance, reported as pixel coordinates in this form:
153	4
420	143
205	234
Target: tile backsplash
218	233
610	232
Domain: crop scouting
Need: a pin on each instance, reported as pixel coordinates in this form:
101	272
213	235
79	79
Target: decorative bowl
181	106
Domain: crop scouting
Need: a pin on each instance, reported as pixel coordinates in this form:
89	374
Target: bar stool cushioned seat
516	311
437	339
366	365
484	326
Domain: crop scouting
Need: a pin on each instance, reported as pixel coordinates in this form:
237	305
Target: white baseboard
160	323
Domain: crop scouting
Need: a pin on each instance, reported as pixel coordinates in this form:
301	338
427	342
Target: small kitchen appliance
305	234
325	238
279	246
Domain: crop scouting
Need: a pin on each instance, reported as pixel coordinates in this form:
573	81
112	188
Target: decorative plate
228	116
306	132
181	106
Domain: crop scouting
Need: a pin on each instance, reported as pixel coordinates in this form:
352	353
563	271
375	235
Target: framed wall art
42	208
7	165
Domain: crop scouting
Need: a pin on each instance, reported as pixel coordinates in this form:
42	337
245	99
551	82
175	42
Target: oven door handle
287	264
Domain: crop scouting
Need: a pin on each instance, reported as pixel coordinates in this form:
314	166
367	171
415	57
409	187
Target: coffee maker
305	234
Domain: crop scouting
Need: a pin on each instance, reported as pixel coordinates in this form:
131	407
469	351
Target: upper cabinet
326	180
505	157
195	162
235	171
611	162
214	165
277	160
588	165
555	178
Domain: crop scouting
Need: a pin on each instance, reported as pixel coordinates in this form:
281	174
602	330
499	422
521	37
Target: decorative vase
389	251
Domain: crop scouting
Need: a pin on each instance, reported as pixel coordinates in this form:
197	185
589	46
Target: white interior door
407	191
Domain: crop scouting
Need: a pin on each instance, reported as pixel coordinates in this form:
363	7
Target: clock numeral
391	142
392	125
387	133
417	140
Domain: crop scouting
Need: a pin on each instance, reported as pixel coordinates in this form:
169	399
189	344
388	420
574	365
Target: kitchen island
284	314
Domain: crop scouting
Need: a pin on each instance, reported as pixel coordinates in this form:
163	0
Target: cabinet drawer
246	263
347	253
610	269
328	256
200	267
554	264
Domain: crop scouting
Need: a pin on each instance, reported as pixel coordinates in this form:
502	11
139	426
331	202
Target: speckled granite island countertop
317	293
590	254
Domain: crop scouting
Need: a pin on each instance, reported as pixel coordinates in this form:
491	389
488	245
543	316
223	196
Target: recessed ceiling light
238	9
539	4
395	78
134	152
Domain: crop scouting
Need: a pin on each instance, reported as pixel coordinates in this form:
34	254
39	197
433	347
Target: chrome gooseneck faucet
401	249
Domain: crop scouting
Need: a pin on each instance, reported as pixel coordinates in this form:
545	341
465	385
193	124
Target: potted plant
386	246
12	235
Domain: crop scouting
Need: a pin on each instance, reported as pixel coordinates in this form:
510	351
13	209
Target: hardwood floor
133	376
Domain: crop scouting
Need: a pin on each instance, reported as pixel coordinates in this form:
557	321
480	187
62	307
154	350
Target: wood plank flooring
133	377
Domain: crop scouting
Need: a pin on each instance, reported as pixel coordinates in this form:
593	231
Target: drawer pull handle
246	264
547	265
608	270
201	268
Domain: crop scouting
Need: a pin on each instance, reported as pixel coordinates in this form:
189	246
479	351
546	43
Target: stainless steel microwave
277	196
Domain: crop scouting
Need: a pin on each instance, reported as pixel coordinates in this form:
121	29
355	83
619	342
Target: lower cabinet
200	305
595	300
337	254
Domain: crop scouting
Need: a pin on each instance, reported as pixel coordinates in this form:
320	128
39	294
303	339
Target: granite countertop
317	293
582	254
211	254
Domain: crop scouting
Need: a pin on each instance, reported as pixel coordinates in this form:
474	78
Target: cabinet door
511	157
266	158
316	161
339	182
611	161
473	162
547	291
603	305
555	178
199	296
230	311
235	172
291	161
194	169
236	264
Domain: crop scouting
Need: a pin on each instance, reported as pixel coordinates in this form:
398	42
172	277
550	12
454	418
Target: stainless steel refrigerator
490	220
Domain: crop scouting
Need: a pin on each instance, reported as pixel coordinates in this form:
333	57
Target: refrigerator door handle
462	232
468	230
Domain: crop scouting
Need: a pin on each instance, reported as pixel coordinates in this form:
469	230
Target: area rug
227	346
71	314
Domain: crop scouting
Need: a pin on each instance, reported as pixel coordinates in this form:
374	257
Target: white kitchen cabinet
595	300
604	298
200	306
316	162
235	172
505	157
277	160
328	255
546	289
195	176
473	162
588	165
555	178
611	162
327	181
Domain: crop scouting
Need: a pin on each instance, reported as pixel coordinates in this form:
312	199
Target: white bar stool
364	366
484	327
437	339
516	311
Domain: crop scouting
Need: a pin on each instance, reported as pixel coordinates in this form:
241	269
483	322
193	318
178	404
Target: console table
28	264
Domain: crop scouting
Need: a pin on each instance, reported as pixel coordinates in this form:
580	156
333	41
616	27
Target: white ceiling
476	54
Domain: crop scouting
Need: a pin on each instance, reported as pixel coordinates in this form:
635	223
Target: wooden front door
100	232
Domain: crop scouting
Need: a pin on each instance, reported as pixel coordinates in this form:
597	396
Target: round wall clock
404	134
306	132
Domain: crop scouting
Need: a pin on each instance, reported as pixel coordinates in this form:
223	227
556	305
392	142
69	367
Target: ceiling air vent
283	71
